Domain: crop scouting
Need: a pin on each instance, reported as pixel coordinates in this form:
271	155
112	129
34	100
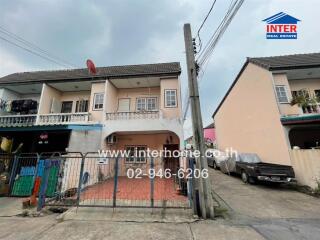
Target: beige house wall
308	84
170	84
249	119
111	99
47	95
96	115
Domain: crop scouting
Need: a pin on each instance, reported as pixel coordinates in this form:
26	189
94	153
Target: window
136	154
281	94
141	104
317	93
66	107
147	104
98	101
124	105
82	106
170	98
151	104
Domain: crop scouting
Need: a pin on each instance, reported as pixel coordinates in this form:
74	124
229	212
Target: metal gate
91	180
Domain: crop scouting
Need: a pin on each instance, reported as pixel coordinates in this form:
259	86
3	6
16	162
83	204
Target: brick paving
134	189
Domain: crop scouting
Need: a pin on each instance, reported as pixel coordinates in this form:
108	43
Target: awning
300	119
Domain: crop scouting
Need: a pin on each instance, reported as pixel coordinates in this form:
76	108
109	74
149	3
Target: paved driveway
274	212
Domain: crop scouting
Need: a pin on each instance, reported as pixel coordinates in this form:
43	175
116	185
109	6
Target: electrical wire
31	51
203	22
35	48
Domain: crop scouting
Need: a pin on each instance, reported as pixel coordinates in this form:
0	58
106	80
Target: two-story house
121	107
272	109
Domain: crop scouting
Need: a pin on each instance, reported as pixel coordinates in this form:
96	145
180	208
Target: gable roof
281	18
287	62
275	63
158	69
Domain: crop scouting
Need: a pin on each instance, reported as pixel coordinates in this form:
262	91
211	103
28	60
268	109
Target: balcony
18	120
133	115
63	118
43	119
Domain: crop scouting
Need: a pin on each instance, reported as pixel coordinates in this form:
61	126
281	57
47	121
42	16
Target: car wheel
215	165
244	177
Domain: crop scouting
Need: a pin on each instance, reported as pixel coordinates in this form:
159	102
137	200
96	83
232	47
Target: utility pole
204	185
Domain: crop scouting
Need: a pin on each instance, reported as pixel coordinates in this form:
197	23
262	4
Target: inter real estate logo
281	26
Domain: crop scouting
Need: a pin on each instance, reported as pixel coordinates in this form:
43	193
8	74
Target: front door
171	163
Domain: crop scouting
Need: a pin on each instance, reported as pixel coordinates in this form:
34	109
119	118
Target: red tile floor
134	189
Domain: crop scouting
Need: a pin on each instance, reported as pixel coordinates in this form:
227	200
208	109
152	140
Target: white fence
306	165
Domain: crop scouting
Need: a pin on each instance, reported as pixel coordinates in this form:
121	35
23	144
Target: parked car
215	158
251	169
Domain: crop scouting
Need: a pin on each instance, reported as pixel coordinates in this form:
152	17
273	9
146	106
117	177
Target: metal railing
18	120
133	115
63	118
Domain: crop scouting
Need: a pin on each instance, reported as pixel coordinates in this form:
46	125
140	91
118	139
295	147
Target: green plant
308	104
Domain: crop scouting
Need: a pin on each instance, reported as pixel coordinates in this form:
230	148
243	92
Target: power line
203	22
36	48
30	51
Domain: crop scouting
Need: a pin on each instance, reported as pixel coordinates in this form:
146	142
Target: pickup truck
258	171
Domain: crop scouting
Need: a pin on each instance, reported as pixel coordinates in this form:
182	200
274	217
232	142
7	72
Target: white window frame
135	159
145	105
174	98
95	97
284	88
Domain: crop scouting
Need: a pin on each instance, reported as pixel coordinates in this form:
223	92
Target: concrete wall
306	166
84	141
170	84
249	119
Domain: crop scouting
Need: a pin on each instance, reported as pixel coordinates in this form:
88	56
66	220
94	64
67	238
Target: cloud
115	32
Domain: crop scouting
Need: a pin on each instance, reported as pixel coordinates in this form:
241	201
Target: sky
121	32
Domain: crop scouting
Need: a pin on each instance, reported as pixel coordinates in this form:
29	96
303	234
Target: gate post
13	172
44	184
115	182
80	178
152	182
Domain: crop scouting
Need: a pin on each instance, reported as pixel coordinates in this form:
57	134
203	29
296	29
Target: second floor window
82	106
98	101
282	94
147	104
170	98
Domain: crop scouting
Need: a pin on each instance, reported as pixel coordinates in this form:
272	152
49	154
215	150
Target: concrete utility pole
204	185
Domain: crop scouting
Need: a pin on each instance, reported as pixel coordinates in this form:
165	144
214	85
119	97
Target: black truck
251	172
251	169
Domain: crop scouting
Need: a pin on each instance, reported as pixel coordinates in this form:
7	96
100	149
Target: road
274	212
256	212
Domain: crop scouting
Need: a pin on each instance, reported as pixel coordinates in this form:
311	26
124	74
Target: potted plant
308	104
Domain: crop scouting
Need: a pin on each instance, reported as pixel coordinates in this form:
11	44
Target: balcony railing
18	120
63	118
133	115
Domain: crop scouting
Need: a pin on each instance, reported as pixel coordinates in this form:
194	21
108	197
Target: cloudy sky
118	32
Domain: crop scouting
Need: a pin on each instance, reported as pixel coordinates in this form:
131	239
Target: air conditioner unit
111	139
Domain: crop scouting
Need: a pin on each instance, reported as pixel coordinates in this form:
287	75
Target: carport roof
300	119
157	69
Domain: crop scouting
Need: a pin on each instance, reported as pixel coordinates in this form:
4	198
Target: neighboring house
209	135
256	116
121	107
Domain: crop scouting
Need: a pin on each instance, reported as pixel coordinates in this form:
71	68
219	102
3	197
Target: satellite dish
91	67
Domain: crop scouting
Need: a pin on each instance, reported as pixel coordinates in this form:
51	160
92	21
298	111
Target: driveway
274	212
